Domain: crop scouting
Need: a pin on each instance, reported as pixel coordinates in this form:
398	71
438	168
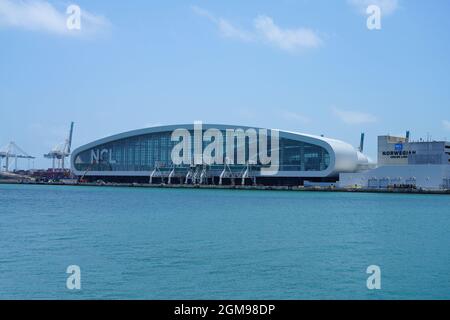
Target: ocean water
133	243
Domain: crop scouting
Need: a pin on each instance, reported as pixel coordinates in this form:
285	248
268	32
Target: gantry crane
12	151
60	152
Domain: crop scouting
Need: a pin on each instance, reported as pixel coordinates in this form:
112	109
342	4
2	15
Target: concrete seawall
235	187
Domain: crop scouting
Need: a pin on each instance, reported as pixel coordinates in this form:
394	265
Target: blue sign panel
399	147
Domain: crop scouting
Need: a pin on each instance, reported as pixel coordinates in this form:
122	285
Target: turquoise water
221	244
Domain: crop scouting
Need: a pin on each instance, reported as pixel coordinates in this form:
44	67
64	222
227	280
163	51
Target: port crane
61	151
12	151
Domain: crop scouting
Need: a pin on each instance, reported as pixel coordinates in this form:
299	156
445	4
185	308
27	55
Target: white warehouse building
405	164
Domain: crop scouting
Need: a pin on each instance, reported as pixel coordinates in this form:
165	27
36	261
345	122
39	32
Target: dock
230	187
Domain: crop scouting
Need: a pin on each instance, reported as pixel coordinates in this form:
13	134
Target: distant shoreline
231	187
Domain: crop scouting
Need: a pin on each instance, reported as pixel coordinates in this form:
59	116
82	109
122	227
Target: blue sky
308	66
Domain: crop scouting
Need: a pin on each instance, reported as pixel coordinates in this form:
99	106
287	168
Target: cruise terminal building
147	156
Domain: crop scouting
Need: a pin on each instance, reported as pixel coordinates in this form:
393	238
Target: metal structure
156	173
60	152
361	143
12	151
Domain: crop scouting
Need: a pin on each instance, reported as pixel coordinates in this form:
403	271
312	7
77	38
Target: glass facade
145	152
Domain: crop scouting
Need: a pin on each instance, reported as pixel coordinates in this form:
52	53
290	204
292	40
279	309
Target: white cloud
446	124
286	39
354	117
42	16
230	31
288	115
387	6
265	30
226	28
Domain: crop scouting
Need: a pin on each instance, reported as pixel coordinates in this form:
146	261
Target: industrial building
146	156
405	164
